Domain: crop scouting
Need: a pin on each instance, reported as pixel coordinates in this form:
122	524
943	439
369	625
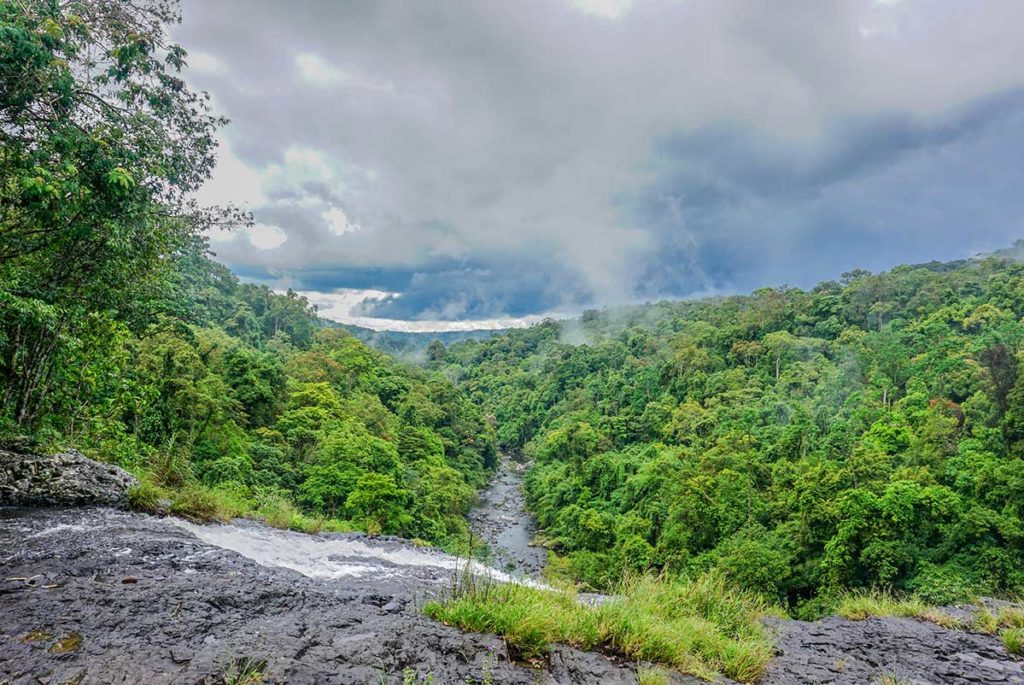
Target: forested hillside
868	432
119	336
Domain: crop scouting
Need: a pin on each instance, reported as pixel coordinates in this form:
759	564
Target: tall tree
101	145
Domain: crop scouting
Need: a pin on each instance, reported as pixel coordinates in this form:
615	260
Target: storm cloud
479	161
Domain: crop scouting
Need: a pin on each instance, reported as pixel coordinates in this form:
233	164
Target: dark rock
65	479
842	652
214	608
201	610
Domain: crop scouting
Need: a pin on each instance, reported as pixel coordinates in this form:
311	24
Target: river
501	520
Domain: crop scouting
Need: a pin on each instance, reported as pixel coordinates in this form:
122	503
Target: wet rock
214	608
65	479
201	610
842	652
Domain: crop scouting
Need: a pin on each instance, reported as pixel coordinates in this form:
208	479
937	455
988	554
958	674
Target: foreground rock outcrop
65	479
102	596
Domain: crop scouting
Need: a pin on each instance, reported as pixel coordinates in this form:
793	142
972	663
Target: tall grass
700	626
860	605
203	504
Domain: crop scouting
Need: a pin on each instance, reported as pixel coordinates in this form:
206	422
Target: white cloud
609	9
338	221
206	63
266	237
339	305
233	181
317	71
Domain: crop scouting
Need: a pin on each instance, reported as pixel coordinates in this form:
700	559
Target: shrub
203	505
942	585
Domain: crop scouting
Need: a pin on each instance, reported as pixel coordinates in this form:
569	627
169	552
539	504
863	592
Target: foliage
101	145
700	626
866	433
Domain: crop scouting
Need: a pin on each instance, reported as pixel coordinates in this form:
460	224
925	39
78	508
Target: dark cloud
489	159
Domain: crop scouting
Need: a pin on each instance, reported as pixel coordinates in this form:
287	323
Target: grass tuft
1011	617
244	671
203	504
858	606
1013	640
145	496
647	675
702	626
984	621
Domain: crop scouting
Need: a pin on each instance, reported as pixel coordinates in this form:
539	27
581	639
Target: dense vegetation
119	336
869	432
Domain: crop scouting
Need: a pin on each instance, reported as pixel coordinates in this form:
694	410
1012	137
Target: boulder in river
65	479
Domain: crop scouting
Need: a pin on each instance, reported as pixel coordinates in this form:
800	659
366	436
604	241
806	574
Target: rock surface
65	479
908	651
193	610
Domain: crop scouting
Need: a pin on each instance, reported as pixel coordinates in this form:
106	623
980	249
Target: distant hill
407	344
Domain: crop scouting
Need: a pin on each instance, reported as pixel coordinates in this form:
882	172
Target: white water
59	528
329	557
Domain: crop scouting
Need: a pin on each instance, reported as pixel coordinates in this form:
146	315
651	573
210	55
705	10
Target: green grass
858	606
646	675
145	496
701	626
985	622
1008	622
244	671
203	504
1011	617
1013	640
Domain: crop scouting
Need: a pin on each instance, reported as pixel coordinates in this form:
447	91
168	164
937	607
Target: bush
943	585
203	505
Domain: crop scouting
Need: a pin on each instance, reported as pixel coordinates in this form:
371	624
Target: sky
447	164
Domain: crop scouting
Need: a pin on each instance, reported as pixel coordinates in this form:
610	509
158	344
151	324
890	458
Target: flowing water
501	520
99	595
331	556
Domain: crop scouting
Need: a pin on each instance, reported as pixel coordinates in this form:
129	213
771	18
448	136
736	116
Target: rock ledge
65	479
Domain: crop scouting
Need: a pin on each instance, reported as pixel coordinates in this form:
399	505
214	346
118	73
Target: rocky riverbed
501	520
97	595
